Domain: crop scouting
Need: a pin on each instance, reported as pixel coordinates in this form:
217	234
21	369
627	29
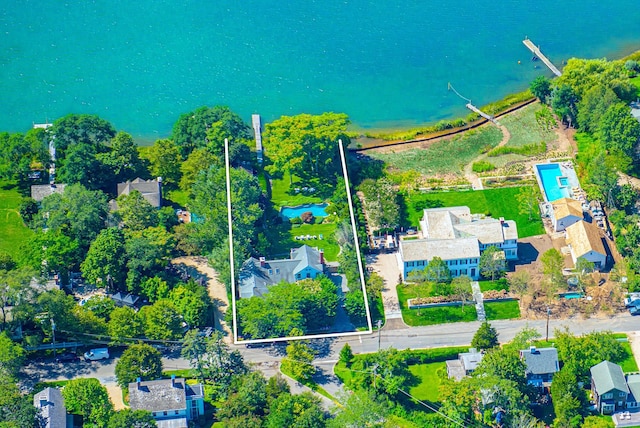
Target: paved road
265	359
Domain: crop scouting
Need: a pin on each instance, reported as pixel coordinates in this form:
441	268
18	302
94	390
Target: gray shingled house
51	405
542	364
172	402
151	190
609	387
257	275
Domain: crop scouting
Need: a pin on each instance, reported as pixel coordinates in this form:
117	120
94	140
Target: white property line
229	220
233	277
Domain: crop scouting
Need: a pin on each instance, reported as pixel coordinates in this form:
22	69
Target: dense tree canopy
80	129
208	126
619	130
164	161
88	398
20	153
105	264
306	145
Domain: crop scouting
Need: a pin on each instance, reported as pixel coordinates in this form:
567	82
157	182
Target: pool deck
573	185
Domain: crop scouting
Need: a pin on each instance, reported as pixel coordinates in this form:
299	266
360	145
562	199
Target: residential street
456	334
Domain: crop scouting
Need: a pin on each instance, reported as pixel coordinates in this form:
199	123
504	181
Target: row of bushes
533	149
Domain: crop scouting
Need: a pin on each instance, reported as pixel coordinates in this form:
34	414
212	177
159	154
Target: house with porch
585	242
541	365
458	238
609	387
172	402
257	275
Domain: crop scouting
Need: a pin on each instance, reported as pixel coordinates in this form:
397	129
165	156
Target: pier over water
537	52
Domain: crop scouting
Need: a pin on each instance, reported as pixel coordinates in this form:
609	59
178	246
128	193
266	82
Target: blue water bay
386	64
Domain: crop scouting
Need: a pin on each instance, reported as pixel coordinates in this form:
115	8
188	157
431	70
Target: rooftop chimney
501	220
263	262
138	382
321	257
173	380
532	349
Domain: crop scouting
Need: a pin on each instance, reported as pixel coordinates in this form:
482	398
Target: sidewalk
477	296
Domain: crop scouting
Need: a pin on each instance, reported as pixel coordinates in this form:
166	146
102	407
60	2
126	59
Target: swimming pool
571	295
292	212
550	176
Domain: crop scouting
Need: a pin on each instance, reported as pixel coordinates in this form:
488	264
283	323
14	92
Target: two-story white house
458	238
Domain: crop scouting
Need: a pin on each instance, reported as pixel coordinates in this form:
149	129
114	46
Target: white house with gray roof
466	364
257	275
52	410
172	402
458	238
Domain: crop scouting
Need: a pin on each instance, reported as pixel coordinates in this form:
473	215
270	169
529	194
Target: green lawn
502	310
428	388
13	232
430	316
286	242
498	285
447	156
629	363
495	202
282	194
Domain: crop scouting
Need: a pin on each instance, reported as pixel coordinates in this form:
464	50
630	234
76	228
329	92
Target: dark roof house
51	405
609	387
121	299
151	190
256	275
541	364
172	402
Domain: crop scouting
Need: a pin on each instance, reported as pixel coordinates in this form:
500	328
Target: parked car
96	354
66	357
634	310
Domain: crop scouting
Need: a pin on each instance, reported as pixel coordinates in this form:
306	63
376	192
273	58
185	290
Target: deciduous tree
298	361
138	361
127	418
125	323
541	88
486	337
88	398
437	271
12	356
105	264
301	410
164	161
492	262
552	265
136	212
162	321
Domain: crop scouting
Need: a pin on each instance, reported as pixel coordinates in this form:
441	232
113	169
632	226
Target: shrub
307	217
295	220
483	166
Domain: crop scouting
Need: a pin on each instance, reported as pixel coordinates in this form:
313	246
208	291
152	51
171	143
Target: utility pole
375	367
548	313
53	335
379	325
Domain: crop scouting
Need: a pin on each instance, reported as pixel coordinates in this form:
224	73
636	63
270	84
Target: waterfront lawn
429	387
498	285
283	194
12	229
495	202
524	128
443	157
430	316
287	240
502	310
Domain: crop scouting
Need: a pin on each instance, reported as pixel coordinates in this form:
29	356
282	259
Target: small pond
293	212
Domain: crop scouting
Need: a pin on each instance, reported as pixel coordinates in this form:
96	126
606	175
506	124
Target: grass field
496	202
177	197
282	196
502	310
448	156
288	241
13	232
498	284
524	129
428	388
430	316
629	364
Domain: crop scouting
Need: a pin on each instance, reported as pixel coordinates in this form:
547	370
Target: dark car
634	310
67	357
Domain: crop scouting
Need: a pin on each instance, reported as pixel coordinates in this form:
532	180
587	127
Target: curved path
471	176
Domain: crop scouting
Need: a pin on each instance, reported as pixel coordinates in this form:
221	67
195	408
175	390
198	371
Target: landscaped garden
284	194
495	202
432	315
443	157
12	230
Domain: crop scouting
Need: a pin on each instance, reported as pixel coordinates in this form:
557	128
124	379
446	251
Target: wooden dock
483	114
537	52
257	129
